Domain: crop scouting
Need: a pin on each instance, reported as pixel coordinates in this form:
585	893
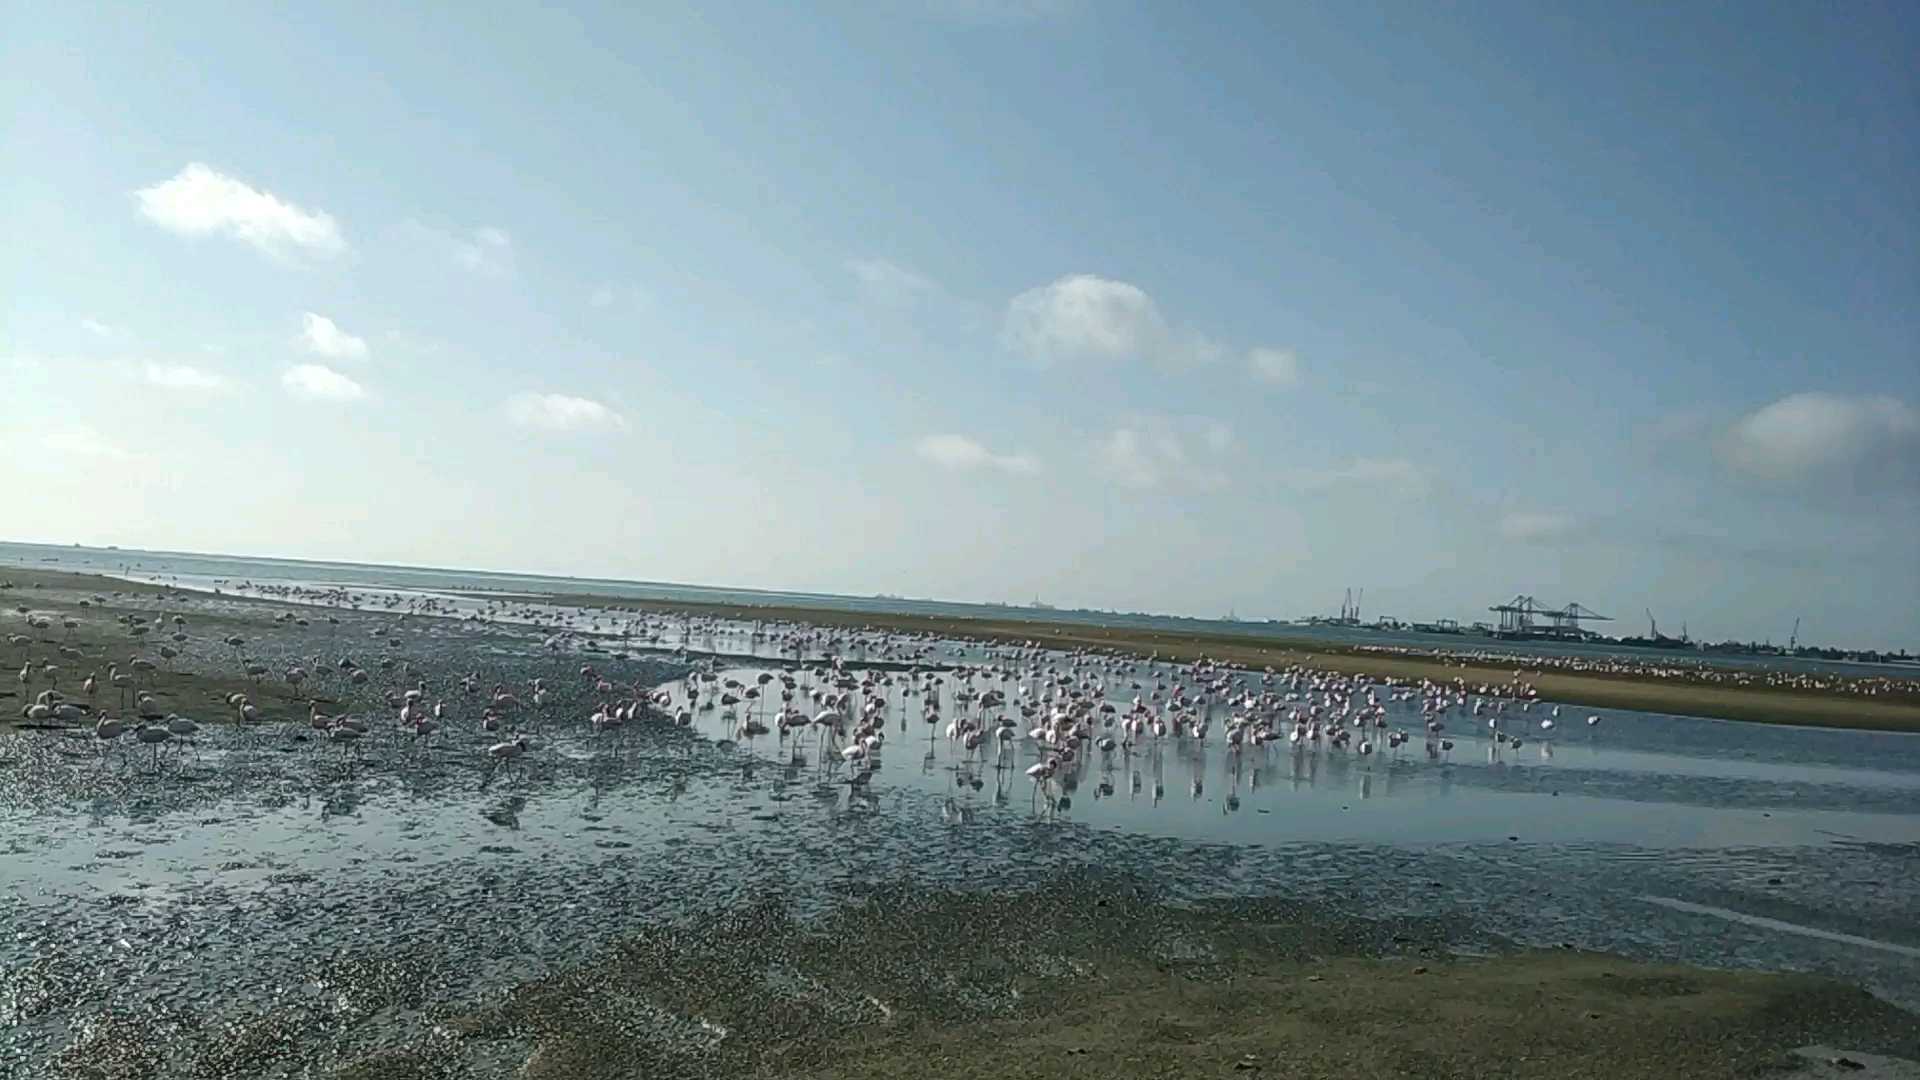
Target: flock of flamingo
833	693
1064	706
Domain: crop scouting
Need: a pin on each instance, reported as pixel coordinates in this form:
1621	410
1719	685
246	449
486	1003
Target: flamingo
120	681
345	735
1041	774
184	729
155	737
508	753
105	731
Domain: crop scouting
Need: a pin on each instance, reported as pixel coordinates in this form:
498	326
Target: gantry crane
1523	616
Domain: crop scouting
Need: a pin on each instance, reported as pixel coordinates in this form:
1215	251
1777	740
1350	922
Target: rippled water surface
262	865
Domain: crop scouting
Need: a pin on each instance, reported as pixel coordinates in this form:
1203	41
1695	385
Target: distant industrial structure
1656	639
1349	612
1525	617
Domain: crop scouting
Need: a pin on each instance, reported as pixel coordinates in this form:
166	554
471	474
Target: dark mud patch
1092	976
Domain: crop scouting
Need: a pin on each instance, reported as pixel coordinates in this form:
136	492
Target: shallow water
262	867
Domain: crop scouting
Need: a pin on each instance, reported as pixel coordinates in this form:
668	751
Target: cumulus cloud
561	412
184	377
319	383
1084	316
200	201
1535	527
1393	475
1280	367
1865	440
1088	317
321	336
962	454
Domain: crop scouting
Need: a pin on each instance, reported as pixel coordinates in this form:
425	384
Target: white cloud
102	330
1086	316
487	251
199	201
1279	367
1396	475
1535	527
321	336
602	297
184	377
561	412
960	453
890	284
1809	436
321	384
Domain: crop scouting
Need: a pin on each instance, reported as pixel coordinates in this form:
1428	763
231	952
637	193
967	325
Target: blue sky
1138	307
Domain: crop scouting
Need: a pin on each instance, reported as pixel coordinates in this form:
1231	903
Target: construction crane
1523	616
1793	639
1350	607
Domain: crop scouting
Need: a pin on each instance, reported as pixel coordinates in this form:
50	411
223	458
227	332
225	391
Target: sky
1160	307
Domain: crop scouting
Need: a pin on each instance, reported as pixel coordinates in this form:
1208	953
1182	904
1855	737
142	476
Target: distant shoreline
1894	706
604	589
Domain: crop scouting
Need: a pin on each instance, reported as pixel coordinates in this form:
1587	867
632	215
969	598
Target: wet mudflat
667	900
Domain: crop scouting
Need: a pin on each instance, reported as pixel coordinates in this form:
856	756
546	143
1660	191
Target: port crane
1523	616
